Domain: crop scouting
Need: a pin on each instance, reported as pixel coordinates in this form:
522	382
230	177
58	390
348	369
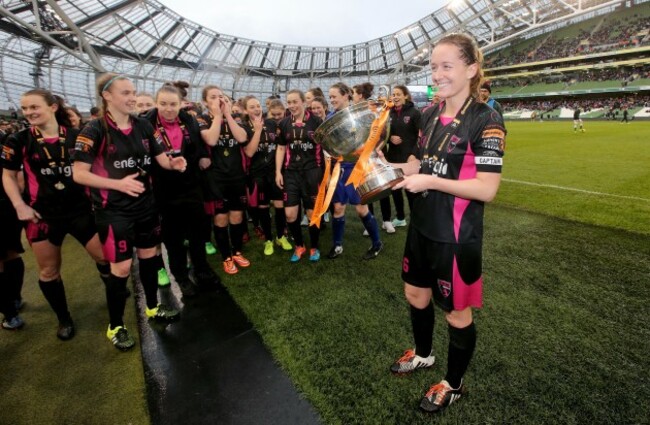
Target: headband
112	80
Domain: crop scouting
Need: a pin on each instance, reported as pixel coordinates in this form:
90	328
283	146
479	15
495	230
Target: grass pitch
598	177
562	338
84	381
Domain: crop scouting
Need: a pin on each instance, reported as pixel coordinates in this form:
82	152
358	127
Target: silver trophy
346	133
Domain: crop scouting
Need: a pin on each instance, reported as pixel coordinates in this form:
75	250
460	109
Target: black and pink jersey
263	161
122	153
303	153
181	138
475	143
228	158
47	167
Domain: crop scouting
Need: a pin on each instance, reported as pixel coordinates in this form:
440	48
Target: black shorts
119	234
81	227
229	196
452	271
264	190
302	186
11	228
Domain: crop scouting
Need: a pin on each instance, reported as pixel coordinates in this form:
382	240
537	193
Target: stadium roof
61	44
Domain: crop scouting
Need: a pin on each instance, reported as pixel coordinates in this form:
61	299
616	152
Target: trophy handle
383	92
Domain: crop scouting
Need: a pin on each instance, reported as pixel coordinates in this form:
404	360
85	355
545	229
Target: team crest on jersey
310	134
407	120
445	287
111	149
452	143
145	143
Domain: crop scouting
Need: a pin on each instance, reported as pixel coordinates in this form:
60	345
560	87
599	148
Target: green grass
82	381
563	336
609	159
640	82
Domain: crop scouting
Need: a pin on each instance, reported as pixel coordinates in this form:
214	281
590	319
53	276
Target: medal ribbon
448	131
168	142
294	124
40	141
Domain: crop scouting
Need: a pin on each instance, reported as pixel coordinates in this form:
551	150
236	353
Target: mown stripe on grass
574	189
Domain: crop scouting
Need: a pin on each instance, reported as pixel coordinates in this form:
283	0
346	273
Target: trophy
354	134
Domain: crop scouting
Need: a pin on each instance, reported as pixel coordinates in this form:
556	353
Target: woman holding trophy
454	170
340	97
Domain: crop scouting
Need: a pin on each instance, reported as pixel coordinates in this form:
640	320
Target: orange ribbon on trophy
361	168
326	190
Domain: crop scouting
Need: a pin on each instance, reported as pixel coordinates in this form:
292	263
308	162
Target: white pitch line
573	189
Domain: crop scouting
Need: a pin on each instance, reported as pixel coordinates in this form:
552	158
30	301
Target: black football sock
296	232
116	299
15	270
237	236
265	222
54	293
422	321
253	213
7	306
223	242
461	349
149	278
280	222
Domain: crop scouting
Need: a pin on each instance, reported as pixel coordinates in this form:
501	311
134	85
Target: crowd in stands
610	35
619	76
610	105
9	126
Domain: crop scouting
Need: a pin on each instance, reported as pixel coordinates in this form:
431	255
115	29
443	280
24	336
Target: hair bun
182	87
